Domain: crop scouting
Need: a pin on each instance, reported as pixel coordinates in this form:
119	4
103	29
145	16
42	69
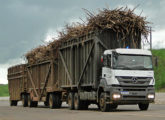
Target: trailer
43	84
34	83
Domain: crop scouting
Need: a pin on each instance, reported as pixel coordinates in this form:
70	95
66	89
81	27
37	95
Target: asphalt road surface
128	112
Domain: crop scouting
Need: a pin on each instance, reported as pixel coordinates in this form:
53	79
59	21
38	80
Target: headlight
151	96
116	96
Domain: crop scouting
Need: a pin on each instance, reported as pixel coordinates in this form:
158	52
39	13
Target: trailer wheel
104	107
143	106
77	102
32	103
52	101
71	101
13	103
24	100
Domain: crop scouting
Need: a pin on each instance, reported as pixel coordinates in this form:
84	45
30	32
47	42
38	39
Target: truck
96	68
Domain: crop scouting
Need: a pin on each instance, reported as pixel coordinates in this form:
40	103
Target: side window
107	60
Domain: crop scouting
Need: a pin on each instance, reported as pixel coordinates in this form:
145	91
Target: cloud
158	38
53	33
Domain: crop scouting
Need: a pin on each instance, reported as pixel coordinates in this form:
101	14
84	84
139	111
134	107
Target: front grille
134	81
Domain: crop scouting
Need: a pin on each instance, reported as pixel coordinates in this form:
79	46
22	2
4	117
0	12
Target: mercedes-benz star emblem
134	79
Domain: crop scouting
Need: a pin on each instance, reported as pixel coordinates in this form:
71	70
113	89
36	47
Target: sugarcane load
98	61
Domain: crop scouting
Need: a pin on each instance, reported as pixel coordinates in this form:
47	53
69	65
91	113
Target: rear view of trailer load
17	82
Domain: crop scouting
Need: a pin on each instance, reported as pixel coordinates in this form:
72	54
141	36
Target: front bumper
130	95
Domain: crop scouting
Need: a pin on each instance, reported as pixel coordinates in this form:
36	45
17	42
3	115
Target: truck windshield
132	62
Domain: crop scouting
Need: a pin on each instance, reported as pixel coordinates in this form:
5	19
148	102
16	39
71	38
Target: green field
4	90
160	69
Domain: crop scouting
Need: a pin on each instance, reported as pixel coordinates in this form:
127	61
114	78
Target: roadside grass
161	90
4	91
159	70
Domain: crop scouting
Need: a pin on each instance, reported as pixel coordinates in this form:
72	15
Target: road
156	111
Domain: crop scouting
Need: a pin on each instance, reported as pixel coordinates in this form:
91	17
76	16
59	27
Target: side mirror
104	60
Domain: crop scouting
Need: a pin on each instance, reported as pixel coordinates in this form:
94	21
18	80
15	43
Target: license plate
124	92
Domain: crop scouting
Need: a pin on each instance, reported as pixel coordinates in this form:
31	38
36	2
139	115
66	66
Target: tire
104	107
77	102
32	103
24	100
143	106
13	103
71	101
52	101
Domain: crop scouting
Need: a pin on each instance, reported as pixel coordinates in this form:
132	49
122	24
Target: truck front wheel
143	106
104	107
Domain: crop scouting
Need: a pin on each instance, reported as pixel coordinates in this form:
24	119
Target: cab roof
129	51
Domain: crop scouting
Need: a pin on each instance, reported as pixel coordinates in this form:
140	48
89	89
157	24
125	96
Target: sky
26	24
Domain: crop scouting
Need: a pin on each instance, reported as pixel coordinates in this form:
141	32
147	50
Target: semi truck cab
127	78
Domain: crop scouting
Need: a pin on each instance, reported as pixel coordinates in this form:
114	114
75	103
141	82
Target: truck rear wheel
13	103
104	107
24	100
143	106
71	101
77	102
